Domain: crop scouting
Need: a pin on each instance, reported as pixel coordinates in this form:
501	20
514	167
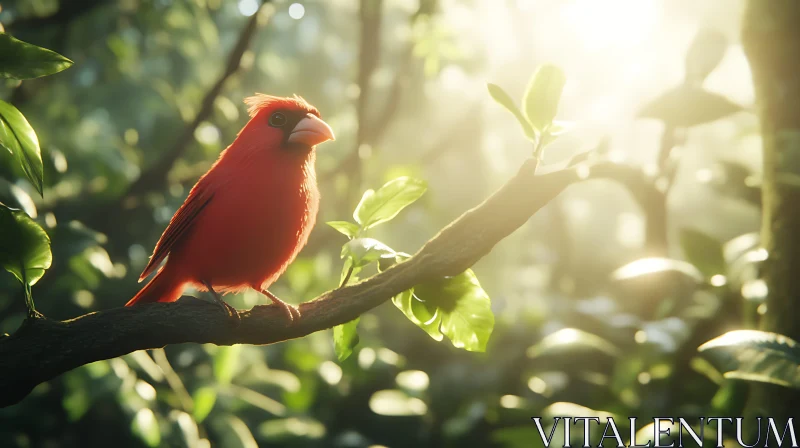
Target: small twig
377	129
256	399
155	177
371	131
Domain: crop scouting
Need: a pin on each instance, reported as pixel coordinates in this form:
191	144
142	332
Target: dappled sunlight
622	24
416	380
396	403
621	271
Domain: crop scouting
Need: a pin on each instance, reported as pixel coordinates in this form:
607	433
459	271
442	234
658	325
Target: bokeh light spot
145	390
297	11
330	372
718	280
248	7
511	401
396	403
413	380
537	385
755	290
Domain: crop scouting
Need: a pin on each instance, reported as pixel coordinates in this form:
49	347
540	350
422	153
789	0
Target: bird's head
291	124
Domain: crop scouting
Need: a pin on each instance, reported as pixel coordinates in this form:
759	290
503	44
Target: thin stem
347	276
538	151
32	313
174	381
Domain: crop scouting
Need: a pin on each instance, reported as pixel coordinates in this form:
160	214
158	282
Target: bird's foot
233	315
230	311
292	312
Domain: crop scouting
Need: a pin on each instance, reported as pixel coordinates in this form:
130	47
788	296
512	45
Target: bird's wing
180	223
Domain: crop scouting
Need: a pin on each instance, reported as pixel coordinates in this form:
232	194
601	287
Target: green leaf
22	60
348	263
204	399
543	95
345	338
560	127
753	355
702	366
556	129
145	426
364	251
740	245
418	312
24	246
19	139
466	313
386	263
231	432
382	205
188	428
502	98
571	340
346	228
704	252
653	265
226	361
705	54
687	105
730	398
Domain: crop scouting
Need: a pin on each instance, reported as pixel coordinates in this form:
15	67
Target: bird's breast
253	228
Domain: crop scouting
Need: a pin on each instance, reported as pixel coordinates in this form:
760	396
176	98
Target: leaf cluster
24	244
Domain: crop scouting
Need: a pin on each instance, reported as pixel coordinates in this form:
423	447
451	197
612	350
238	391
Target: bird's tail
164	287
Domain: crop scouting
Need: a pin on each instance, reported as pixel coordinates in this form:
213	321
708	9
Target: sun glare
617	23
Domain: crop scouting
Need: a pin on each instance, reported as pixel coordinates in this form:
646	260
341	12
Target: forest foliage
547	325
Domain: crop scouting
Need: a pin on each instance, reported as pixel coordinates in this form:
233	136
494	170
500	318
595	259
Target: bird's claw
292	312
233	315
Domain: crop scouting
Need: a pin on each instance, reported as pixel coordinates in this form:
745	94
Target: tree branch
155	177
375	131
43	349
371	131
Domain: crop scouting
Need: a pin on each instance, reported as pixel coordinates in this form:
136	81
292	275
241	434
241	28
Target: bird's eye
277	120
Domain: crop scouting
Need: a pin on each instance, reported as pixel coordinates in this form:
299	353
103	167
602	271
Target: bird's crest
261	101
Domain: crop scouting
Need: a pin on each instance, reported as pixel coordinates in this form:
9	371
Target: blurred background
156	93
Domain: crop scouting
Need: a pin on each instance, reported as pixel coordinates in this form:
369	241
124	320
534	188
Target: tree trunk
771	39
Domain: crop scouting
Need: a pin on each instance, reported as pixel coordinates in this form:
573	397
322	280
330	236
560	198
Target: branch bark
43	349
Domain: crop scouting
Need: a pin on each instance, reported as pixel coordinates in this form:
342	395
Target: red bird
247	218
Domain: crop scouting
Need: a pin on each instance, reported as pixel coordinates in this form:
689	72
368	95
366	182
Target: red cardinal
247	218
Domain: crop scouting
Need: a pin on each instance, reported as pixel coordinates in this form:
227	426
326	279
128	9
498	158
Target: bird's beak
311	131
